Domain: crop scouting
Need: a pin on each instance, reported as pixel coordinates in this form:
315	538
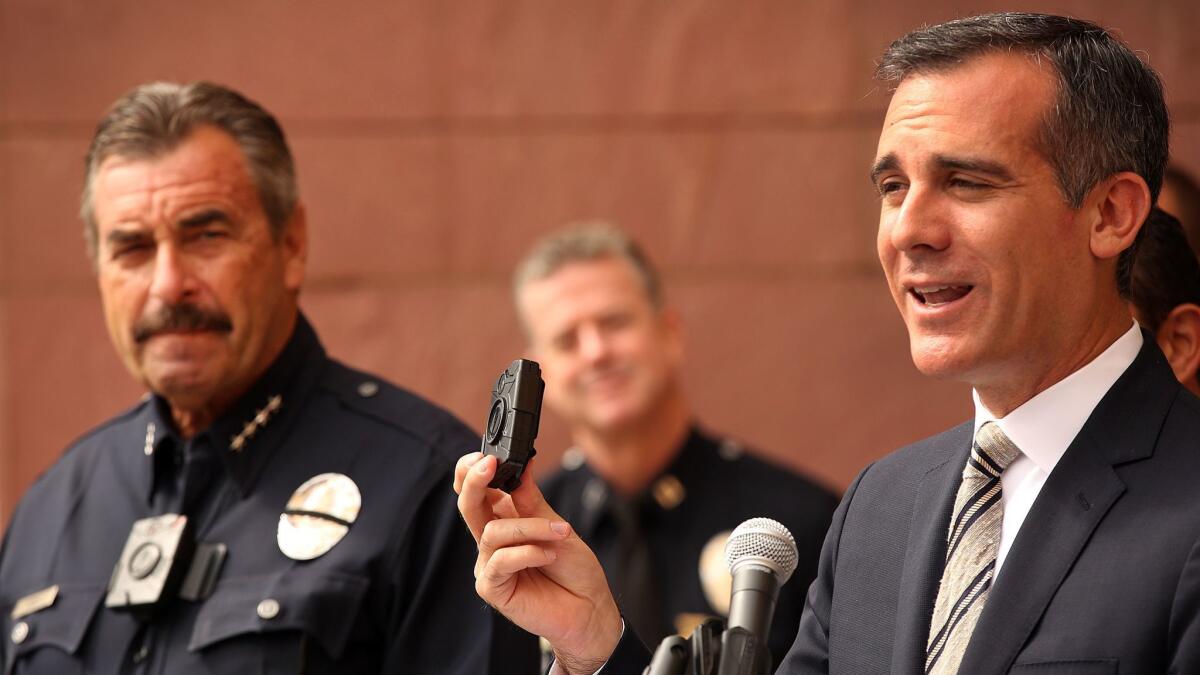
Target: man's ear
1119	206
295	248
671	325
1179	339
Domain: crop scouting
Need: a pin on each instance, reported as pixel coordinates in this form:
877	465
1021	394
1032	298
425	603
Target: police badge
319	513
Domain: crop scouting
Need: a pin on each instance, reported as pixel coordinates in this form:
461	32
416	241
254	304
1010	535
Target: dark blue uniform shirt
395	595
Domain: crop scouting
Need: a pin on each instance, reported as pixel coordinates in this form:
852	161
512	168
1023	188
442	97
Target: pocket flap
322	606
62	624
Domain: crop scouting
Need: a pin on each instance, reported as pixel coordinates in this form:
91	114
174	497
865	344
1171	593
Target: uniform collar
247	435
665	492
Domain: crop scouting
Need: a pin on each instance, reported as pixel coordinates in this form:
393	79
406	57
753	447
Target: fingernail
472	459
560	528
551	554
481	467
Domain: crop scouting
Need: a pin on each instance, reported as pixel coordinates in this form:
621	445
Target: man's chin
941	358
182	386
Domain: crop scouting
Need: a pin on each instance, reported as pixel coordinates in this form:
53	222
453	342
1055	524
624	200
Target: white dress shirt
1046	424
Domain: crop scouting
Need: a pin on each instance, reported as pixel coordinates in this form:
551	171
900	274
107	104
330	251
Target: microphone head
763	542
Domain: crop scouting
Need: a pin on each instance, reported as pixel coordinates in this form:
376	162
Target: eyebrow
119	237
204	218
946	162
976	165
885	163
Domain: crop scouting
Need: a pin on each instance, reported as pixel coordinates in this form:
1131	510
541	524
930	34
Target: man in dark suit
1057	532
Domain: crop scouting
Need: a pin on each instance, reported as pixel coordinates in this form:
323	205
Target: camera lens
144	560
495	423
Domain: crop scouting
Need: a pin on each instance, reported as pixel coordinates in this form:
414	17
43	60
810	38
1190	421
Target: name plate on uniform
35	602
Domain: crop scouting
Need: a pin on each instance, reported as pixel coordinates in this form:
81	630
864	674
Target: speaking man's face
987	262
198	296
608	355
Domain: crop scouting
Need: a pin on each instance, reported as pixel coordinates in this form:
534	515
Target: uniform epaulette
392	405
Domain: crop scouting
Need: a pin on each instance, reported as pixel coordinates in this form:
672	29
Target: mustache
180	317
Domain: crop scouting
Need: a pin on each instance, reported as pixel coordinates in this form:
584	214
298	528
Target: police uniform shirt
707	490
394	594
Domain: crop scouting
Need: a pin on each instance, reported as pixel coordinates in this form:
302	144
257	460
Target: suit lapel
1071	505
925	556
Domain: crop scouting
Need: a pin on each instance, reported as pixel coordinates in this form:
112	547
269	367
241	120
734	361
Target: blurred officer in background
1181	198
265	508
1165	293
653	493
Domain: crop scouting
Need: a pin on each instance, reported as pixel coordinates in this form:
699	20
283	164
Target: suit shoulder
921	455
372	397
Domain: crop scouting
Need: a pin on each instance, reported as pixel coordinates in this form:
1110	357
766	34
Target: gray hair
1109	115
585	241
153	119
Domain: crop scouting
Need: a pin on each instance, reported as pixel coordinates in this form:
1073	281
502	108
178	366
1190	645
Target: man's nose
920	223
173	280
593	343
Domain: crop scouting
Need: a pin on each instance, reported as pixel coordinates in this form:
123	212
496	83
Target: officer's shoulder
754	468
372	397
92	445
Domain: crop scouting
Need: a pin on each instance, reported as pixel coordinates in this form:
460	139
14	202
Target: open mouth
933	296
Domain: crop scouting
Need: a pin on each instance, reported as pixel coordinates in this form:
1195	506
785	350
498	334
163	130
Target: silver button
268	609
368	389
572	459
20	632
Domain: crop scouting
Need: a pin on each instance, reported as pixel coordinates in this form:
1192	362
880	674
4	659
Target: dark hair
1109	115
1165	272
154	118
1187	193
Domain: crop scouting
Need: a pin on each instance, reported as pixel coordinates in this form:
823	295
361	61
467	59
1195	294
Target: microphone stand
711	650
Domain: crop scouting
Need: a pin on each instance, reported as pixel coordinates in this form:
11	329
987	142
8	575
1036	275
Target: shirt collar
1045	425
248	433
597	496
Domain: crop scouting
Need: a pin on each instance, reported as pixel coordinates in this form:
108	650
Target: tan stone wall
436	139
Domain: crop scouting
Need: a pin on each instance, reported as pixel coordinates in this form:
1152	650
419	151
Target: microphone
762	557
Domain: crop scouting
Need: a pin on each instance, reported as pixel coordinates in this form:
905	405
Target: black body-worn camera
513	422
150	569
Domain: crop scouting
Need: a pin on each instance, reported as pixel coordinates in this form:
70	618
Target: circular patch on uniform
714	573
319	513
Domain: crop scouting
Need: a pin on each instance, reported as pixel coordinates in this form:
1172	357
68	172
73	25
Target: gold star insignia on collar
260	419
148	448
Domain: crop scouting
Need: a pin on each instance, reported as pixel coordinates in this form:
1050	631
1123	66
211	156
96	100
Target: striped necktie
972	542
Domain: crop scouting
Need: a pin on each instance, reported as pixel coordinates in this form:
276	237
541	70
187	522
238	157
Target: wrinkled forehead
205	169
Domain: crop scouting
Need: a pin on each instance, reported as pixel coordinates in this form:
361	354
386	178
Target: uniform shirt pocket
322	607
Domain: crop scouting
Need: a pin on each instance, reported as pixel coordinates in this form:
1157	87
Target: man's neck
630	459
193	417
1005	394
